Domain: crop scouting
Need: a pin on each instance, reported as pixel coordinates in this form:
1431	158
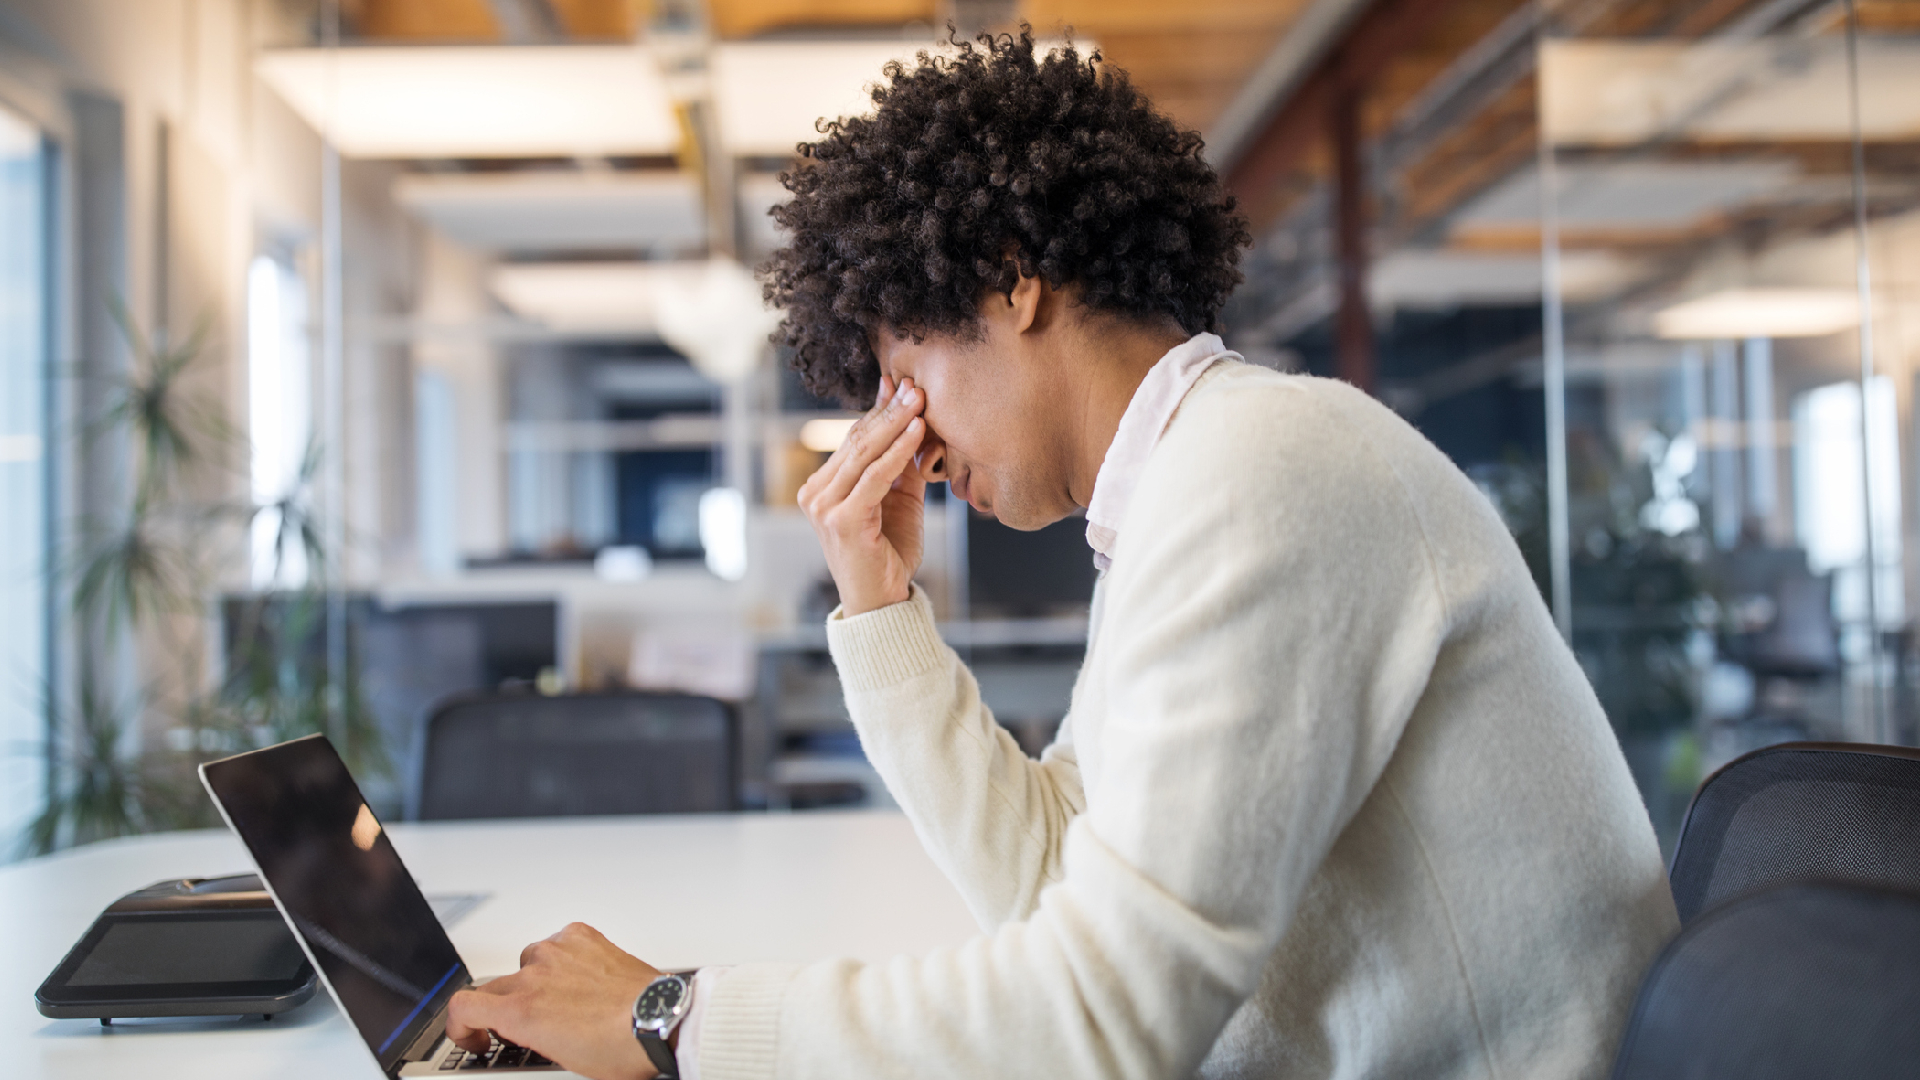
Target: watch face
659	1000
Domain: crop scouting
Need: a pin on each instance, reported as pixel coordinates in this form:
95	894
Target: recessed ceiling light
1760	313
436	101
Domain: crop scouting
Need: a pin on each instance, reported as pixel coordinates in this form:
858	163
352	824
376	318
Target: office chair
1798	980
1836	811
524	755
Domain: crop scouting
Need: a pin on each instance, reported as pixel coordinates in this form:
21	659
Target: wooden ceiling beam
423	20
746	18
602	19
1388	29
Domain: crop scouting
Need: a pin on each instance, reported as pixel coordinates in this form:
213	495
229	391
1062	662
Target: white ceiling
549	211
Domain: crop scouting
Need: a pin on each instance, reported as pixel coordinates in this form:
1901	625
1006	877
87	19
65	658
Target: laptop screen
343	887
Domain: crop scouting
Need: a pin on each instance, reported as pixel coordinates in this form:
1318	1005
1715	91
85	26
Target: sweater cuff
886	646
740	1022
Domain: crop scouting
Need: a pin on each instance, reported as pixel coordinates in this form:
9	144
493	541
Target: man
1332	798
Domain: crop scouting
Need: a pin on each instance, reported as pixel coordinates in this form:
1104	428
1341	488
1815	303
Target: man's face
995	422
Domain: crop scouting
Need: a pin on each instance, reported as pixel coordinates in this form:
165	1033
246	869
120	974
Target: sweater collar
1141	426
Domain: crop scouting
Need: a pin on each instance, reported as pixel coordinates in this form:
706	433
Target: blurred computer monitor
1013	574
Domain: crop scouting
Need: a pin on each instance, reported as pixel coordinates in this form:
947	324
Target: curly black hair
977	169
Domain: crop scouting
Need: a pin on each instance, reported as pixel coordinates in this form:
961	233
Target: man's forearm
992	818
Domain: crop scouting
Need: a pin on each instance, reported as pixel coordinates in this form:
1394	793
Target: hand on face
868	505
572	1000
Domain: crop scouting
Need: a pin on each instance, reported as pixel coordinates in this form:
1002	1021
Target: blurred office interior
362	356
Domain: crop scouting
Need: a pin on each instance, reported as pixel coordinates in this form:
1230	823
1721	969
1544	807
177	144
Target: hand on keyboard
499	1055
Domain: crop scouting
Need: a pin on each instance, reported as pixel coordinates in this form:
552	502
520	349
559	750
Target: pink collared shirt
1141	426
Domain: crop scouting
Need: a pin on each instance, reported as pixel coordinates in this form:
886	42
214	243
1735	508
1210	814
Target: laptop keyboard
501	1055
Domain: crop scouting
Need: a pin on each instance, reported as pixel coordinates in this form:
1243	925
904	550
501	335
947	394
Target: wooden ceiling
746	18
479	20
1190	57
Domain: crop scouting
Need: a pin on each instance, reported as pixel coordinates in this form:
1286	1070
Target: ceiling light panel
769	95
1418	278
478	101
1766	313
1628	92
1630	195
531	212
593	298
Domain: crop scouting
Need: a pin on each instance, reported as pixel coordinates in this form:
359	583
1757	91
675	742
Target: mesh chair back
1843	811
1801	980
512	756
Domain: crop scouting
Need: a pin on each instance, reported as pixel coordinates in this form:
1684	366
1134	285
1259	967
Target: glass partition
1714	197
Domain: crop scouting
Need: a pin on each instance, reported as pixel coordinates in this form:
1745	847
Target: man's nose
932	459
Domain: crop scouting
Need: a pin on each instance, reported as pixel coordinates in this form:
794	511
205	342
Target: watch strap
661	1055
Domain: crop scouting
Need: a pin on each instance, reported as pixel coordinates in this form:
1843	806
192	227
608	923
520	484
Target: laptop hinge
422	1046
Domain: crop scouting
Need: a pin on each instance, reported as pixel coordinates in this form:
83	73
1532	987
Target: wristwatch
656	1013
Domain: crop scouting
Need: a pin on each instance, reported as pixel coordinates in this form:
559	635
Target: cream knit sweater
1333	799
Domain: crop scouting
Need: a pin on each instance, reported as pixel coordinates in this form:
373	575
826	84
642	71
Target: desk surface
678	892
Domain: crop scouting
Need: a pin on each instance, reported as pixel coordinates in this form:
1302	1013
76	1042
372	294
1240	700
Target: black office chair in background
525	755
1796	981
1833	811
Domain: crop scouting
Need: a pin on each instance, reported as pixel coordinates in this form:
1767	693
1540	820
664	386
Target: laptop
356	912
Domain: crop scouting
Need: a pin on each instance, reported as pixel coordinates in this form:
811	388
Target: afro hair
977	169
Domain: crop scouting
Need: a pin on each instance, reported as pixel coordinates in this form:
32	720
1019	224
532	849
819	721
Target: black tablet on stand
191	947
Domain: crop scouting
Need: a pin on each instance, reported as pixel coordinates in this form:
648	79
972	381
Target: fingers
891	465
873	435
471	1017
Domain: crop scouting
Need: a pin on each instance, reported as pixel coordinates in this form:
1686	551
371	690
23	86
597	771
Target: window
24	598
279	416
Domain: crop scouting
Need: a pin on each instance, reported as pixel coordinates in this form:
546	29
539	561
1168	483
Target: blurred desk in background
678	892
799	736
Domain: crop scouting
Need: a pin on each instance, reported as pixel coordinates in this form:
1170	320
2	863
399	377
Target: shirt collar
1141	426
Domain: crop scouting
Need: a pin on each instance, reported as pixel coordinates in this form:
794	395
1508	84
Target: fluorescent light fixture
559	211
1418	278
1629	194
824	436
1767	313
592	298
478	101
723	532
709	310
1613	92
770	94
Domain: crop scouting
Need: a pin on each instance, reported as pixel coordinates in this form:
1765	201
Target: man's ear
1028	301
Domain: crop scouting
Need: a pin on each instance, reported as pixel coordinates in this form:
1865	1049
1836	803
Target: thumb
471	1016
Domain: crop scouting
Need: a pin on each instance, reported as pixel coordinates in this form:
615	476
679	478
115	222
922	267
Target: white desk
678	892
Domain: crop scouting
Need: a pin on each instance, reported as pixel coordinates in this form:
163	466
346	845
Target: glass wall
23	474
1731	232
